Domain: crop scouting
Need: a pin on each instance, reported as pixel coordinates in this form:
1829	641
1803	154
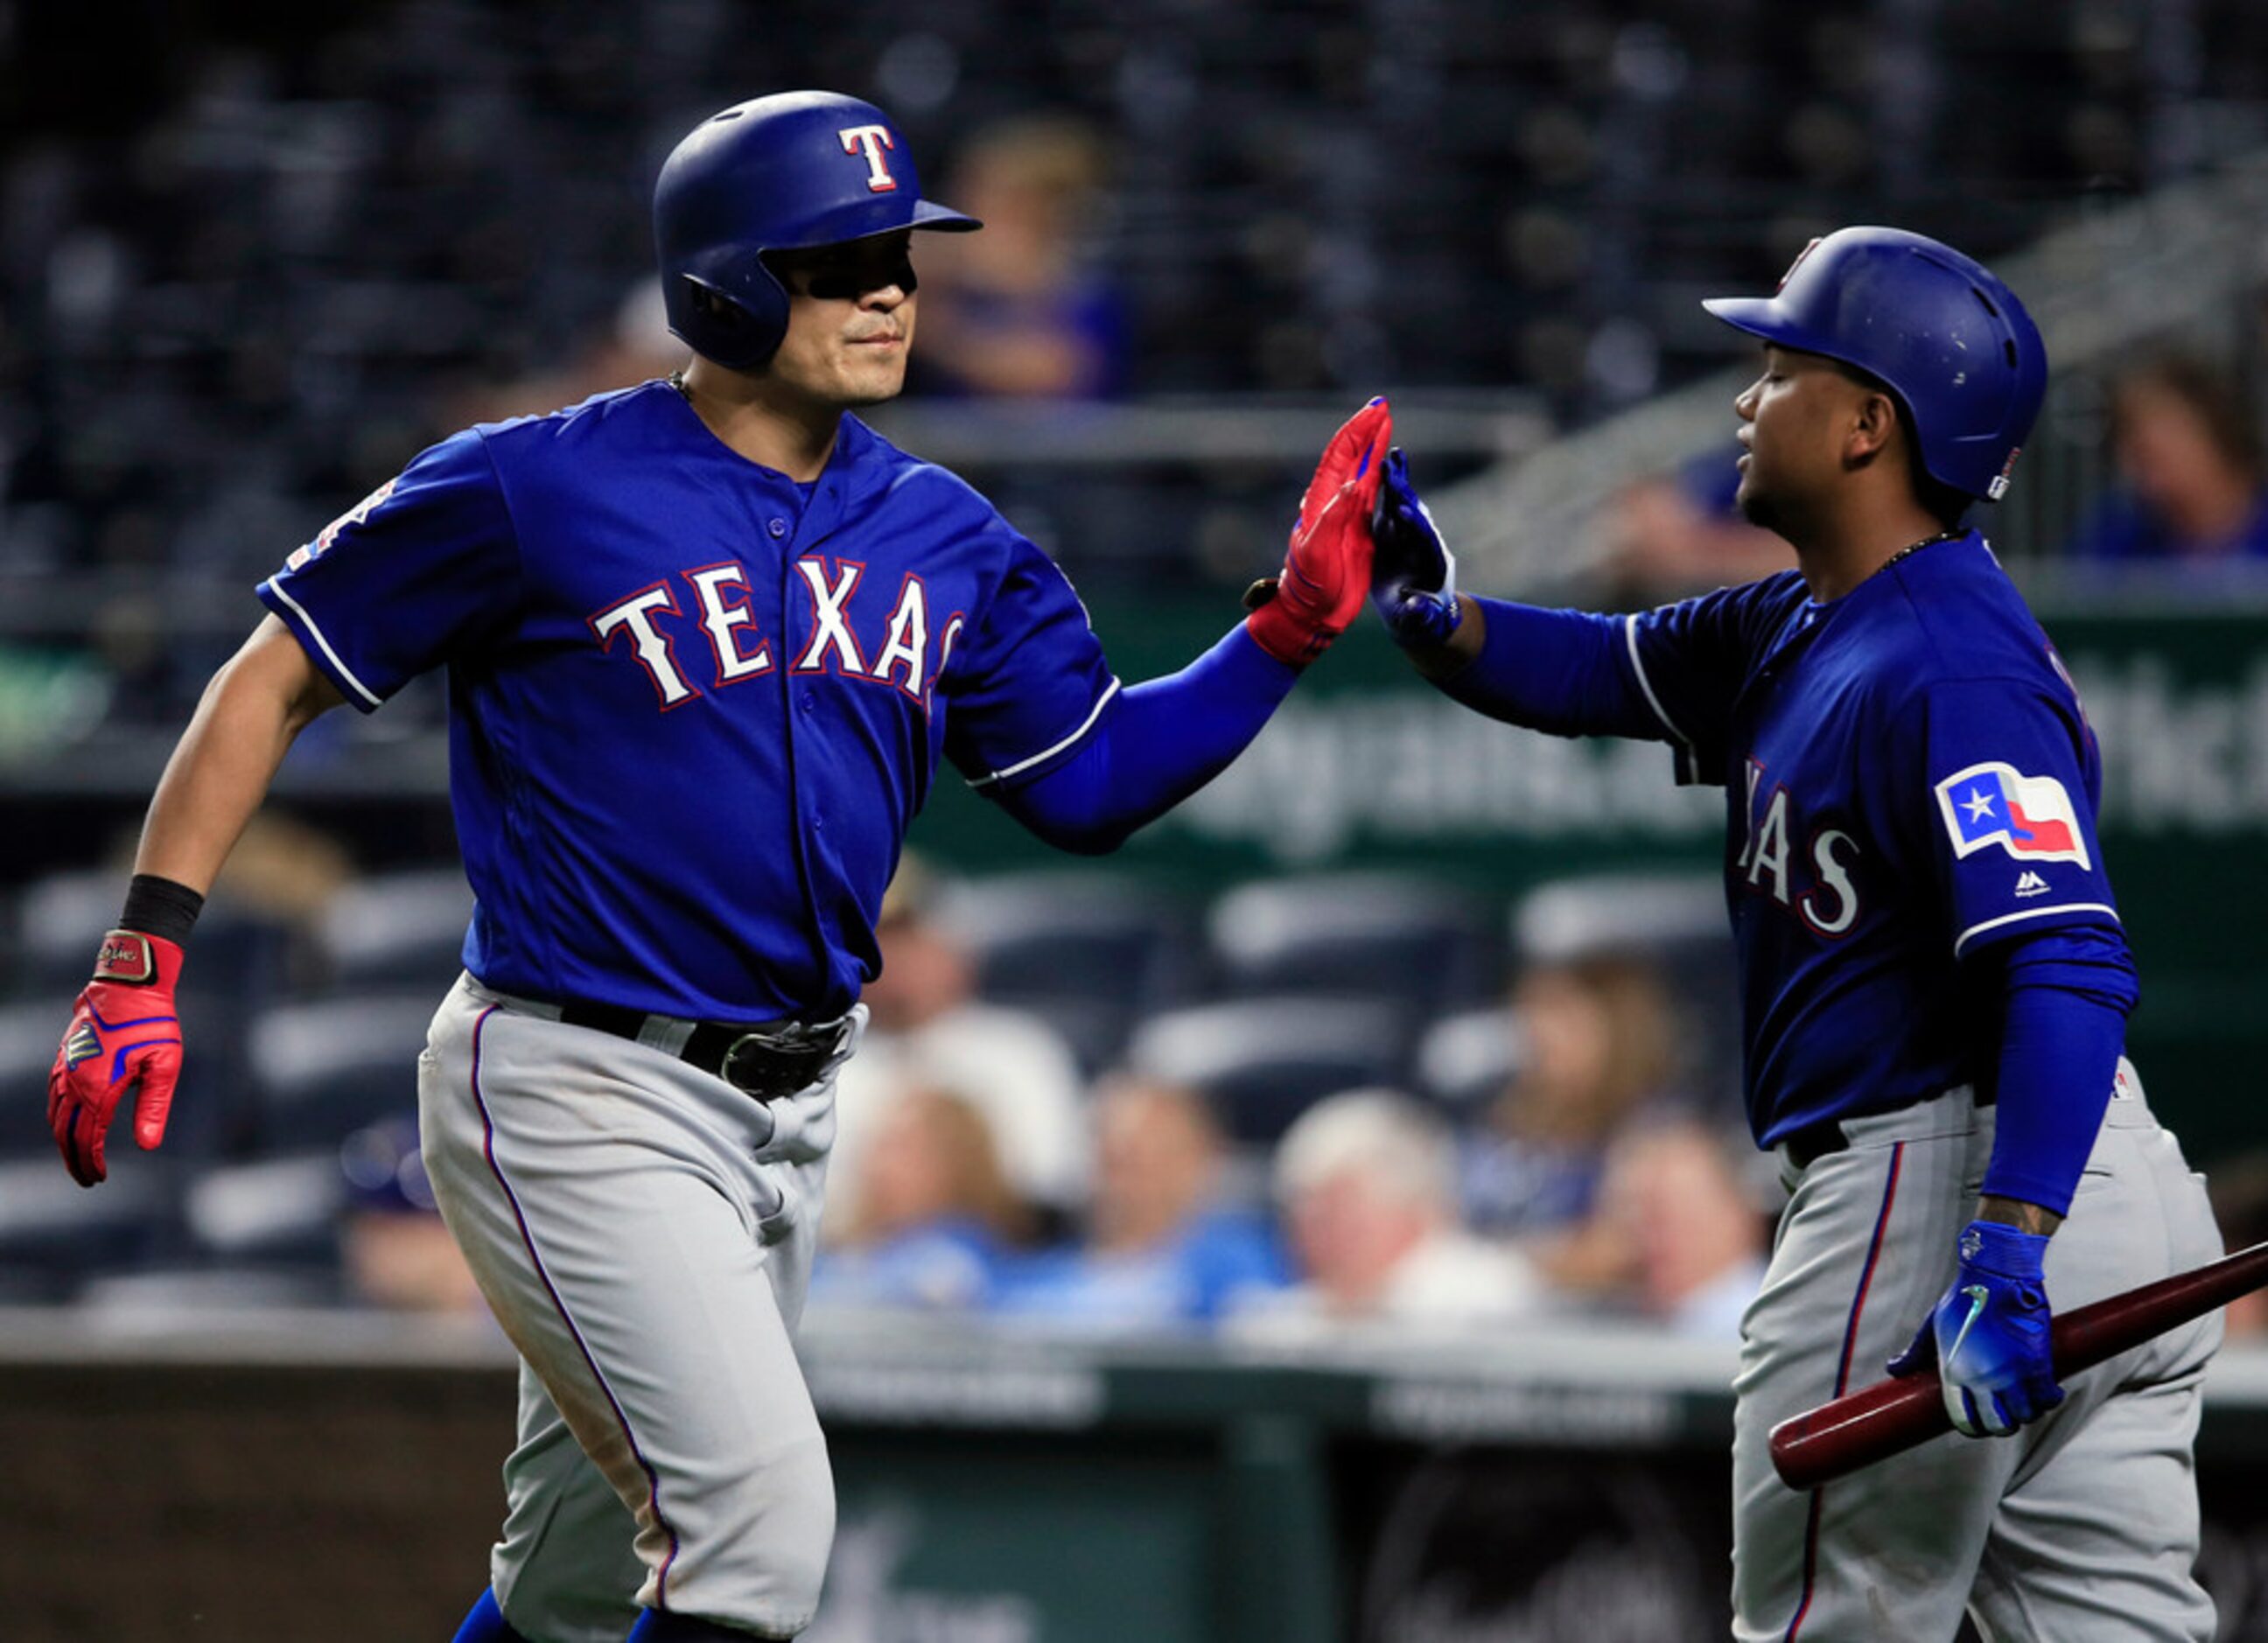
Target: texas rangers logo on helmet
1797	263
2030	816
872	142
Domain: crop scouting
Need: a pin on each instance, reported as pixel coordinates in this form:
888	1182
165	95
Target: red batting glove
1326	574
124	1031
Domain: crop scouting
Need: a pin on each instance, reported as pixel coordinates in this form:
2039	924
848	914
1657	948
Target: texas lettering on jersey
1816	887
896	651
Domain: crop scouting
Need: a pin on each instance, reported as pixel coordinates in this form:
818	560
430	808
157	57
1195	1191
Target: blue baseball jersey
1910	779
694	704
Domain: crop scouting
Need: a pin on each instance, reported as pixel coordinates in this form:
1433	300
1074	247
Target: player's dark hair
1941	501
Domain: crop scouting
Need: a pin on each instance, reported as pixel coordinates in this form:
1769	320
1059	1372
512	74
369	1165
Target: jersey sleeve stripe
338	669
1042	757
1689	756
1963	940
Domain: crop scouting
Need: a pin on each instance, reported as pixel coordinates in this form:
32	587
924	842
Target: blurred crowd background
254	257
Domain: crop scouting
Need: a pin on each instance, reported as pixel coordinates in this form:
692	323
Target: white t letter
648	642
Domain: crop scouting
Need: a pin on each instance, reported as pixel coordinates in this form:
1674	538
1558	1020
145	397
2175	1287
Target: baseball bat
1861	1427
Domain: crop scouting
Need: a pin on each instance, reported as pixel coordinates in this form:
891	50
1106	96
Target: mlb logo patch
2029	816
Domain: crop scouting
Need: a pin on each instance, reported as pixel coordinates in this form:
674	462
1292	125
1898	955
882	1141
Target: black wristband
159	907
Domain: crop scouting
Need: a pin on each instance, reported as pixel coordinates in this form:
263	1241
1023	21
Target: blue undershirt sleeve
1157	743
2068	992
1566	672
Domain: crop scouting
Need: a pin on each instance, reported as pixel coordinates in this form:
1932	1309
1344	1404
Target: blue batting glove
1988	1335
1413	576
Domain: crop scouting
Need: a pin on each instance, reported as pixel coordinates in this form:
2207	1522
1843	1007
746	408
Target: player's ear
1874	428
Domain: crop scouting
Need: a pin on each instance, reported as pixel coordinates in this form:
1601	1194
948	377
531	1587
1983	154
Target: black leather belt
765	1059
1815	1141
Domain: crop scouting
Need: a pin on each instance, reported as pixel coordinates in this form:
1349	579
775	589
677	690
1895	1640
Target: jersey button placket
778	526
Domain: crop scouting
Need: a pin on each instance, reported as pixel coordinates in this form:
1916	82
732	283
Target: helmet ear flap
738	334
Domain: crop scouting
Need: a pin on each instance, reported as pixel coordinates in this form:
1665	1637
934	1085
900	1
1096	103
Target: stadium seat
1464	1061
1263	1062
188	1294
276	1211
1087	953
398	930
323	1070
54	1232
60	921
1387	935
1659	913
29	1034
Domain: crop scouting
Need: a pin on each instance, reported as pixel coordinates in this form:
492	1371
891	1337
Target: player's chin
880	376
1755	501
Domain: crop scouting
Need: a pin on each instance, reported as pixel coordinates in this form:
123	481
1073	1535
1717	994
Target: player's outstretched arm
1563	671
1162	740
125	1033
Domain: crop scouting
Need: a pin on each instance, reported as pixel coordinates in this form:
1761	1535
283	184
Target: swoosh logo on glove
1978	1296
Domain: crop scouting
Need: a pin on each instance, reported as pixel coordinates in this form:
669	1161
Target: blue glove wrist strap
2003	1251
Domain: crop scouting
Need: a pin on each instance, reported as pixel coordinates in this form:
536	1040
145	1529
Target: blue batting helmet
1949	339
784	172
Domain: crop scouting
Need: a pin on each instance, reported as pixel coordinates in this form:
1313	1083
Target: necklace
1815	605
1911	548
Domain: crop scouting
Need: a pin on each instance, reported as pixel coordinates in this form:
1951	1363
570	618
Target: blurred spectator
1600	1036
1367	1183
928	1029
635	346
285	869
2238	1188
1164	1247
2187	446
1669	535
1017	312
936	1215
1693	1241
395	1251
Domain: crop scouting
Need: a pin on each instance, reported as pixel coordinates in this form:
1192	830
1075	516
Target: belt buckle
781	1060
761	1077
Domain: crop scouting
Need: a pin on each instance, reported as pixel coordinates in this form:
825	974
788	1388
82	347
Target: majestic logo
874	141
2031	884
2029	816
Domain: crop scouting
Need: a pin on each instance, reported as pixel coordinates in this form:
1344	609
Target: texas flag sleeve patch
2029	816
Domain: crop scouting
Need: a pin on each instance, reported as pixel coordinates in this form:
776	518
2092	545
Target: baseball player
1934	981
706	639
